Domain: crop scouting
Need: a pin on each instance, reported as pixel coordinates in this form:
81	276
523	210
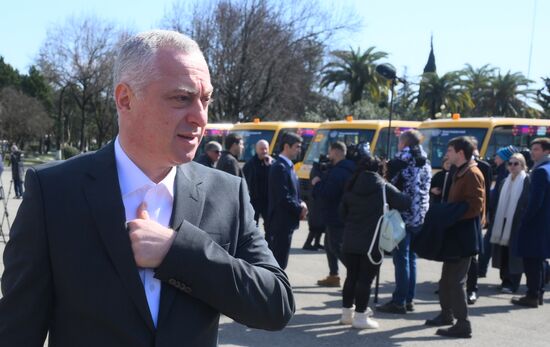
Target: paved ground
495	321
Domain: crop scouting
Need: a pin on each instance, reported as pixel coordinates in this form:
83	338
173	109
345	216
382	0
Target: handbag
391	228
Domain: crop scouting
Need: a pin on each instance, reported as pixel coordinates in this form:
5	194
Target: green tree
478	82
8	75
543	97
356	70
34	84
446	90
509	95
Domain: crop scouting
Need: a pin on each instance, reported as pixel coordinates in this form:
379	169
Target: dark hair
411	137
231	139
367	163
290	139
544	142
340	146
464	144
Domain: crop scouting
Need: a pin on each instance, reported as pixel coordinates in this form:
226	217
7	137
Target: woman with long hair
362	206
512	197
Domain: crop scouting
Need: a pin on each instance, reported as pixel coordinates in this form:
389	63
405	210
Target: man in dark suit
211	155
228	161
285	209
131	245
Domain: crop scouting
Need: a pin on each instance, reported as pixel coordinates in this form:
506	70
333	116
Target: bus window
324	137
250	137
382	142
306	134
519	136
436	139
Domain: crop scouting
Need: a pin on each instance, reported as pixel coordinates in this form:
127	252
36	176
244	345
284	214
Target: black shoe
439	321
409	306
472	298
319	246
461	330
309	248
391	307
526	301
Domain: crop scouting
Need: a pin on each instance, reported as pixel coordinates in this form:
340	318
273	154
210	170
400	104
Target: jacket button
172	281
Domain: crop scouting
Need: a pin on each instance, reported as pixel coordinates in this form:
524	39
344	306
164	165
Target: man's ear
123	97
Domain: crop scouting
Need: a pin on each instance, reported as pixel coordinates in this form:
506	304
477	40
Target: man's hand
436	191
315	180
150	240
303	214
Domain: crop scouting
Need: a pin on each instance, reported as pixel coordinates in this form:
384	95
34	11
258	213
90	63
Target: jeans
333	246
404	261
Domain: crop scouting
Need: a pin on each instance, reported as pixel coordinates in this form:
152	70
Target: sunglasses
513	163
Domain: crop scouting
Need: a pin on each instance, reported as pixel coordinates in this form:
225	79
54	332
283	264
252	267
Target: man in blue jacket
534	236
285	209
329	190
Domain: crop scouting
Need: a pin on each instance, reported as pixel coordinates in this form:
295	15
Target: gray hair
134	63
212	146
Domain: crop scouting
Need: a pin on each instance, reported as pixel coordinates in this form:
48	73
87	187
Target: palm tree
446	90
478	83
356	70
509	94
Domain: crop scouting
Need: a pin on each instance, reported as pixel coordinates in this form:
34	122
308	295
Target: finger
142	211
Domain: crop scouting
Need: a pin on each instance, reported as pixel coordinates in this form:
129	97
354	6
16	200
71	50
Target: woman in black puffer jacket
360	209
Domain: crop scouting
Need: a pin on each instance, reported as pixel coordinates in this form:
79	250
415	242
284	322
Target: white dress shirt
136	187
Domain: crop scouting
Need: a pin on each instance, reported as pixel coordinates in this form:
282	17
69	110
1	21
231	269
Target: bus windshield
436	139
324	137
306	134
250	137
519	136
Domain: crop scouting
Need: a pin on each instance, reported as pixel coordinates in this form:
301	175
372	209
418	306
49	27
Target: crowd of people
135	245
455	205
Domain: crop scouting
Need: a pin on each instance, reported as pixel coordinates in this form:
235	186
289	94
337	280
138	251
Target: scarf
507	203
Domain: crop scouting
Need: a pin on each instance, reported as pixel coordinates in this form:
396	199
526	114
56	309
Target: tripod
5	215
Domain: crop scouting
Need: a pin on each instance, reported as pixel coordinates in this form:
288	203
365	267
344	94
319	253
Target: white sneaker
362	321
347	316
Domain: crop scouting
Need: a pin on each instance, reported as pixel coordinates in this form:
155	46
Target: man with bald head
131	245
256	172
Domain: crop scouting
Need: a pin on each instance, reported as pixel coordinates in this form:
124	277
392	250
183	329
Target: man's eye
182	98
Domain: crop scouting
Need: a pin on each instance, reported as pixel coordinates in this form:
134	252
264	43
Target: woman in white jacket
512	199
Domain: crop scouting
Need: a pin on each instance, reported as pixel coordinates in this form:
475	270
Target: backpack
391	228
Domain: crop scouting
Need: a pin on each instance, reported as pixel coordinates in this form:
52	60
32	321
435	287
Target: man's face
261	150
165	122
537	153
294	150
237	148
214	154
453	156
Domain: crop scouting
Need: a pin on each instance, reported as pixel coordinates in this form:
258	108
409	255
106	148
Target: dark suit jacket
70	270
283	200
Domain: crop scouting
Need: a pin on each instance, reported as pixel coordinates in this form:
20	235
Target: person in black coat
361	208
17	171
256	172
212	153
228	161
329	190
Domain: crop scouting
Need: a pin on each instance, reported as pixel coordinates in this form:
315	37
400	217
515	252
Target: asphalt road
495	321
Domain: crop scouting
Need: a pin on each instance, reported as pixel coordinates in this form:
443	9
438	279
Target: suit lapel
188	205
102	192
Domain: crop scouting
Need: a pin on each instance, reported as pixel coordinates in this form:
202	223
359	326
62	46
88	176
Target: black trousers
508	279
471	283
452	294
534	271
361	273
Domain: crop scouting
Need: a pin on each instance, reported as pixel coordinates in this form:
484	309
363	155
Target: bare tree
77	57
23	118
264	58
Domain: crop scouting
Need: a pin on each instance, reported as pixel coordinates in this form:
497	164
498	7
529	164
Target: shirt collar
288	161
131	178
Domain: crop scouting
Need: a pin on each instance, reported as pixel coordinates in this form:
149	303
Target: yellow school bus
214	132
351	132
491	133
272	132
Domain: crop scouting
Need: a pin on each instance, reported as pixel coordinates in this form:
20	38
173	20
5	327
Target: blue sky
468	31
